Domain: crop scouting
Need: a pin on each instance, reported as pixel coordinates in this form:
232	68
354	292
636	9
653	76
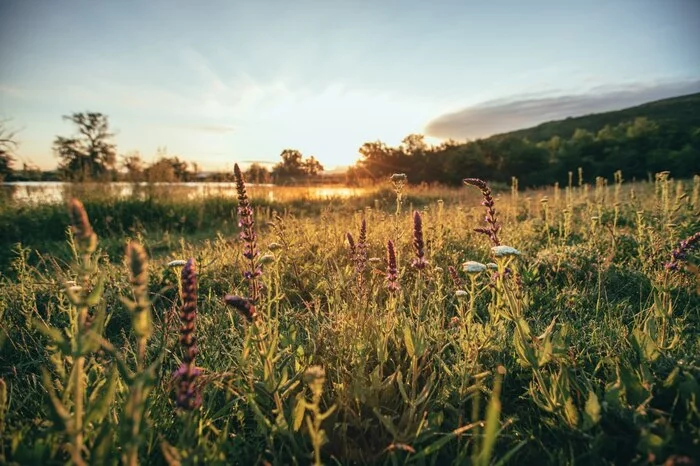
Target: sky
218	82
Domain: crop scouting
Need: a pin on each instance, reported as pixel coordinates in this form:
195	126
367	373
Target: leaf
645	346
591	413
672	378
435	446
635	391
408	341
98	410
59	411
53	334
545	354
96	294
298	413
570	412
386	422
493	414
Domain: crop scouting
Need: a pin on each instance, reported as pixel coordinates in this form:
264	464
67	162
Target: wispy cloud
522	111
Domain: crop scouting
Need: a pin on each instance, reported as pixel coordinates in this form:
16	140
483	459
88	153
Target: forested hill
682	112
640	141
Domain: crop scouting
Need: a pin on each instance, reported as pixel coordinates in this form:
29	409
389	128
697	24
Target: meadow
405	325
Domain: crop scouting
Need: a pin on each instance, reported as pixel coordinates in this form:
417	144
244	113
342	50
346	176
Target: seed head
85	237
419	261
392	274
243	305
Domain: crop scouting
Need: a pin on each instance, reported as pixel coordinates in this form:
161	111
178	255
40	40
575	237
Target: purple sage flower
188	396
419	261
492	225
392	274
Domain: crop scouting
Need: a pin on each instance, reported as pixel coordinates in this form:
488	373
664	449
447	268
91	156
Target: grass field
166	330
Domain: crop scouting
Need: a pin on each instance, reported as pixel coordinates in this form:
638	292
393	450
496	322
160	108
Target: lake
39	192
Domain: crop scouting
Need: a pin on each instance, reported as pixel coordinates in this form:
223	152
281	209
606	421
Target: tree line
639	147
90	154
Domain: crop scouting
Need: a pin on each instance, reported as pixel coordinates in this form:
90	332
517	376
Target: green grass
585	352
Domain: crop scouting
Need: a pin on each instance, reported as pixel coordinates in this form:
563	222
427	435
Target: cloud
523	111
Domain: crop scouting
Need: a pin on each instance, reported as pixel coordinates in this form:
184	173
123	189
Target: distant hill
683	113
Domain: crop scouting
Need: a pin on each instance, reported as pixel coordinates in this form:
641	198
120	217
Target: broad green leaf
644	345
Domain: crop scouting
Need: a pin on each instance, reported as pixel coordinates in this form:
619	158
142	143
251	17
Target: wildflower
314	374
361	249
419	262
188	397
374	260
243	305
85	237
138	276
246	222
454	322
274	246
473	267
353	247
492	266
398	178
177	263
266	259
492	225
503	251
455	276
392	274
461	293
681	252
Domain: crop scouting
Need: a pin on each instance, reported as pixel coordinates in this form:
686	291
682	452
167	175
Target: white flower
177	263
274	246
266	259
438	269
374	260
492	266
502	251
461	293
473	267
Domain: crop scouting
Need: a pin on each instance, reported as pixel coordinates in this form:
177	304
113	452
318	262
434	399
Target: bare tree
8	145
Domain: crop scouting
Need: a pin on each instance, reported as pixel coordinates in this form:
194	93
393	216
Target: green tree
311	166
257	173
90	153
290	166
134	165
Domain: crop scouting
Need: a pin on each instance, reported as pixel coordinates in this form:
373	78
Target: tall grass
403	327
